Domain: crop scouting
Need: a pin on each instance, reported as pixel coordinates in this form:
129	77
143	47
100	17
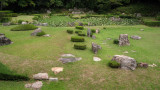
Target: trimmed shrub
85	23
82	34
93	30
20	21
70	31
126	16
116	41
25	27
152	23
78	31
41	33
80	27
77	39
80	46
114	64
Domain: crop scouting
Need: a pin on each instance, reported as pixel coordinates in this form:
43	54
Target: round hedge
114	64
80	46
77	39
82	34
80	27
25	27
70	31
41	33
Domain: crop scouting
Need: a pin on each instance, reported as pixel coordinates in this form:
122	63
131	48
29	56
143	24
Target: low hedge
152	23
80	46
82	34
93	30
25	27
114	64
78	31
77	39
80	27
70	31
41	33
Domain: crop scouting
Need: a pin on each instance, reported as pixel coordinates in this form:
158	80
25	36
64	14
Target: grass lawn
23	17
31	55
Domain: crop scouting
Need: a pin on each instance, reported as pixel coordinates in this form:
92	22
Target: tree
5	3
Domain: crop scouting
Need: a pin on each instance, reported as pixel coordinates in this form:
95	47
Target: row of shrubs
152	23
5	16
25	27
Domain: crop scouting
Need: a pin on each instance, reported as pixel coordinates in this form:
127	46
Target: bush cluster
80	46
78	31
116	41
70	31
152	23
80	27
77	39
82	34
25	27
114	64
93	30
41	33
5	16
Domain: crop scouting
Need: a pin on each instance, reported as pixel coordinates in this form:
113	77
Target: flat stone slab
53	79
41	76
34	86
96	59
57	70
67	58
135	37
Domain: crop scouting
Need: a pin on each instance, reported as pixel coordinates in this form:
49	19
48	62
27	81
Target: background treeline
100	6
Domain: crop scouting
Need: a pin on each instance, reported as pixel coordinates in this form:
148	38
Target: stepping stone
37	85
133	51
141	29
68	55
125	52
96	59
136	37
67	58
53	79
41	76
57	70
47	35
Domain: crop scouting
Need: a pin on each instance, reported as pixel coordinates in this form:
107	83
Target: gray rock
6	24
37	85
67	55
141	29
41	76
96	59
89	33
28	85
69	59
47	35
95	48
44	24
109	38
126	62
136	37
36	31
53	79
4	40
123	40
24	23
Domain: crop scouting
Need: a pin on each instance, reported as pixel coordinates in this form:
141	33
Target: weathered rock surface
95	48
136	37
57	70
96	59
36	31
123	40
37	85
144	65
53	79
24	23
41	76
126	62
4	40
67	58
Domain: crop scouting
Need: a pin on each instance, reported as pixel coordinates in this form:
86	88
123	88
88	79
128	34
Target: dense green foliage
116	41
152	23
7	75
70	31
41	33
93	30
77	39
80	27
113	64
24	27
80	46
78	31
82	34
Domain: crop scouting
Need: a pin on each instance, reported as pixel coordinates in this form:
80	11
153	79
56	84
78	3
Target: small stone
96	59
41	76
125	52
37	85
28	85
24	23
133	51
136	37
145	65
68	55
47	35
53	79
57	70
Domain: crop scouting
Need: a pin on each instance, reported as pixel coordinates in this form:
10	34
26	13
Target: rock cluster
4	40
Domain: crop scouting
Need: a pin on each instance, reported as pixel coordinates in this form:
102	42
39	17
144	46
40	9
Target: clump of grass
41	33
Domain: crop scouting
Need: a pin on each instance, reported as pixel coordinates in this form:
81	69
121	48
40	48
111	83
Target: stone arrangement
4	40
126	62
95	48
123	40
67	58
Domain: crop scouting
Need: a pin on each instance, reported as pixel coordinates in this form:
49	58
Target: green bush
5	19
126	16
70	31
80	27
25	27
104	28
41	33
80	46
152	23
93	30
35	18
85	23
77	39
20	21
14	14
116	41
114	64
82	34
78	31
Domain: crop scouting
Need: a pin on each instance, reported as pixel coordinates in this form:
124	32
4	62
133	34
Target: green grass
30	55
23	17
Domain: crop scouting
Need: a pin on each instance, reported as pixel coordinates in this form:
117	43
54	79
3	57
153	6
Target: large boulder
4	40
36	31
126	62
136	37
123	40
41	76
